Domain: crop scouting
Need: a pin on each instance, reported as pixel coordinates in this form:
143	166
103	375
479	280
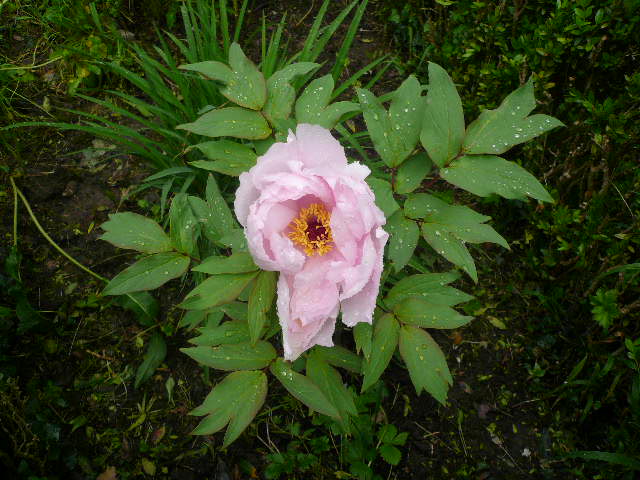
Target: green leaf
192	319
235	239
235	401
496	131
609	457
428	286
447	227
412	172
280	94
240	262
217	290
384	196
330	383
423	313
426	363
387	433
235	310
450	247
313	104
390	454
226	333
220	214
229	157
142	304
133	231
394	133
303	389
183	225
363	336
245	84
148	273
443	123
153	357
260	302
233	356
341	357
404	239
230	122
384	342
486	174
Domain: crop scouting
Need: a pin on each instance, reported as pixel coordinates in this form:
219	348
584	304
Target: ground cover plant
112	389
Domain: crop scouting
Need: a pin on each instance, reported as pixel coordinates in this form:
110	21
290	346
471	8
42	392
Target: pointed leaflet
330	383
230	122
235	400
487	174
240	262
384	342
153	358
394	133
313	104
423	313
496	131
425	361
412	172
219	207
184	228
443	122
341	357
228	332
217	290
260	302
245	85
363	336
383	194
428	286
148	273
233	356
228	157
447	227
130	230
404	239
280	94
303	388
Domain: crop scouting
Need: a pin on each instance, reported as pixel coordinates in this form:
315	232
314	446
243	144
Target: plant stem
15	214
46	235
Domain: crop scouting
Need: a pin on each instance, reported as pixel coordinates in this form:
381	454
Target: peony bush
318	242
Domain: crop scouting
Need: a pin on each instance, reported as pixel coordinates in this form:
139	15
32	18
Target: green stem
15	215
46	235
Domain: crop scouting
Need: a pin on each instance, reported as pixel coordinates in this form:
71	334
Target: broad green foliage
244	84
486	174
394	133
443	124
313	104
230	122
148	273
303	388
420	140
226	157
133	231
425	361
496	131
234	401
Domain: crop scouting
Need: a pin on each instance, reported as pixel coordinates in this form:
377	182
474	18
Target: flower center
311	230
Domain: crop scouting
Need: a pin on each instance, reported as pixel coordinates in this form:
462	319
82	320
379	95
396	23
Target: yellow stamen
311	230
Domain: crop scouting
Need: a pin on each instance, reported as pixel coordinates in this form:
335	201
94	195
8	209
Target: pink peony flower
310	215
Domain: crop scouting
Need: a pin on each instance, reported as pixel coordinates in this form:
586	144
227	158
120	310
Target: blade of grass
343	53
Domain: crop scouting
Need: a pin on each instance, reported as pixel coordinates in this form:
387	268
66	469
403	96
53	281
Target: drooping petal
298	337
359	307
